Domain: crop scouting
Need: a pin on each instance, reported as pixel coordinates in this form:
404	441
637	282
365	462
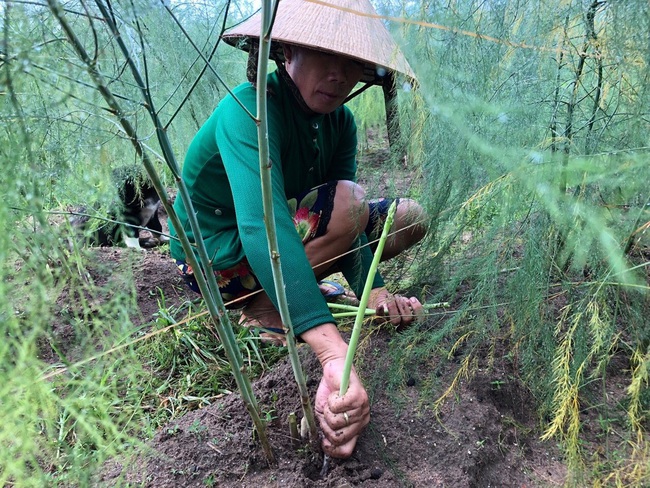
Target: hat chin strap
284	74
357	92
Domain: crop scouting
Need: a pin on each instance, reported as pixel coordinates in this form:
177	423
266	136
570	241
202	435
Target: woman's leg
409	228
349	216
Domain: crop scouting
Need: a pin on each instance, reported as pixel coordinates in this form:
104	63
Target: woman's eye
357	66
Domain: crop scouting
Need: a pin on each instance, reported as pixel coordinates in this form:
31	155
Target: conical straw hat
348	27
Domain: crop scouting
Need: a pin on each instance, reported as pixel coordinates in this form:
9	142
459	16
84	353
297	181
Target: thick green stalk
209	288
363	301
353	309
269	215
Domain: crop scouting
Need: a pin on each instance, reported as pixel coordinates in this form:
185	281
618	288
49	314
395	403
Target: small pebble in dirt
410	382
376	473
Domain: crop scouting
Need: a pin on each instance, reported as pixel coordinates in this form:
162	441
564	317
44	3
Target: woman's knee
412	218
350	212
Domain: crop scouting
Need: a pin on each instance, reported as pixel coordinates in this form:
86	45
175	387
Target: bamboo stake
268	8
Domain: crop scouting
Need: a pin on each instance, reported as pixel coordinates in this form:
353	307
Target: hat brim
345	27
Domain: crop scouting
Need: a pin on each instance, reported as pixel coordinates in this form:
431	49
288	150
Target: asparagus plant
205	280
268	12
363	301
353	310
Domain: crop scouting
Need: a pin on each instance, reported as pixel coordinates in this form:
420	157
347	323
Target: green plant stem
293	430
268	13
348	308
363	301
372	311
342	315
203	57
209	288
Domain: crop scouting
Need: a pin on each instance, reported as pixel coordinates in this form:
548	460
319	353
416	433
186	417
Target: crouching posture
324	218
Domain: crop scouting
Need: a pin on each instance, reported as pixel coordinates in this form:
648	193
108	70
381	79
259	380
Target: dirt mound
483	435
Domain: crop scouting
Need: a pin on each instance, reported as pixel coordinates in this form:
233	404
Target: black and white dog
137	207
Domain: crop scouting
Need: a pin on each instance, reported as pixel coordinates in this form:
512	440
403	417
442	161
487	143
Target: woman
321	213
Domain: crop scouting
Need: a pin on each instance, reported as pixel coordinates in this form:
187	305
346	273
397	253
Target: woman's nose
337	71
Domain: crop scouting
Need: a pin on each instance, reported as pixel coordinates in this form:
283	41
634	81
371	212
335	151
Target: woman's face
324	80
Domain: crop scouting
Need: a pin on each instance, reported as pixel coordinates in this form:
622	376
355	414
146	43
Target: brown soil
484	437
484	434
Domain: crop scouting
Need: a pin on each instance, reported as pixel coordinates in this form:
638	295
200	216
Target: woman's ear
288	54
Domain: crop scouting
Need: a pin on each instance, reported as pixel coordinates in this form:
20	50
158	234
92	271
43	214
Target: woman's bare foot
266	335
261	313
337	293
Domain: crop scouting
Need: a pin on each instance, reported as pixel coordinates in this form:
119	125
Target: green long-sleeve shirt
222	173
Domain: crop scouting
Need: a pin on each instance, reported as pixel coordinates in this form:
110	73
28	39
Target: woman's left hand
398	310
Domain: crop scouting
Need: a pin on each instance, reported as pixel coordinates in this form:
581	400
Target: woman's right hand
341	418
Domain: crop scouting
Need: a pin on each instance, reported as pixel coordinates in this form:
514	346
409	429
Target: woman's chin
324	108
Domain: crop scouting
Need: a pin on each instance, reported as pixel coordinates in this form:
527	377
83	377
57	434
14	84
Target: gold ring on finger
347	418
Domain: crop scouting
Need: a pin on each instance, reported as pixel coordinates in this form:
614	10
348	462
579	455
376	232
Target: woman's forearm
326	342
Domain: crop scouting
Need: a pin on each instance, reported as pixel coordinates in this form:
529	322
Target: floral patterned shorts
311	211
